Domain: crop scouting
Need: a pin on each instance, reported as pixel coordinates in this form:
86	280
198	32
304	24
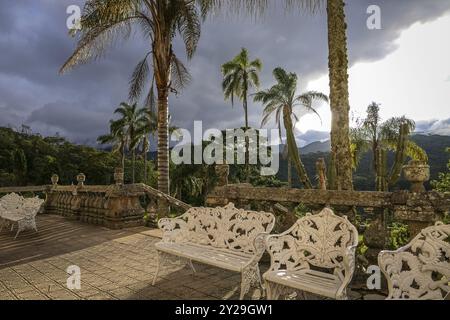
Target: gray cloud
439	127
34	42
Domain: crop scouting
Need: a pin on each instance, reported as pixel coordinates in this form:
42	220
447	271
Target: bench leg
273	290
160	260
19	228
192	267
250	276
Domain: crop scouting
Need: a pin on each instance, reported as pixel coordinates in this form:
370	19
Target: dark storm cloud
34	42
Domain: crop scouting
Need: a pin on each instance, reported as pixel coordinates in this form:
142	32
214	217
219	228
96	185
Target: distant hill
317	146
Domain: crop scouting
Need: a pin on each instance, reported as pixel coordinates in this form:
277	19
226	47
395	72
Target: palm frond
138	79
180	74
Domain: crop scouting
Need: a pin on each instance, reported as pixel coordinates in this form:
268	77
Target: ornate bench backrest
319	240
421	269
11	202
225	227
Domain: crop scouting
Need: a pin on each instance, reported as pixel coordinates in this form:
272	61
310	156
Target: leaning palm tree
380	137
282	101
239	76
341	165
105	21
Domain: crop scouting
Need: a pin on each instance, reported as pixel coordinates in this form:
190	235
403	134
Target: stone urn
81	178
118	176
417	173
55	179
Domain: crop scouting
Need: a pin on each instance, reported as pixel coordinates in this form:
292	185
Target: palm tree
380	137
240	75
105	21
147	126
131	123
116	137
281	100
341	165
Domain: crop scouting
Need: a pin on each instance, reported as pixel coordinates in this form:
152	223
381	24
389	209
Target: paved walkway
114	264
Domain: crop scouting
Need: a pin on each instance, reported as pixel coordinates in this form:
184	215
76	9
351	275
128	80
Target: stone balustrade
416	207
115	207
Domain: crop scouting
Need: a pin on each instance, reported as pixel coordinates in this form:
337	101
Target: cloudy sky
405	66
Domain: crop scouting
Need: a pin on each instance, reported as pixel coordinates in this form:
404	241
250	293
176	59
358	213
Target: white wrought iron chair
421	269
316	255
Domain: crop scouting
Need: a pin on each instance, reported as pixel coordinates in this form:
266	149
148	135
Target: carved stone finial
118	176
417	173
55	179
81	178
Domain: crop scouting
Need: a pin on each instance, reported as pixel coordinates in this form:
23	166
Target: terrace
100	230
115	264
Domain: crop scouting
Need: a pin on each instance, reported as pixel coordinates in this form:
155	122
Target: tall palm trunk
289	173
162	53
133	165
122	155
247	155
163	141
145	158
339	99
293	150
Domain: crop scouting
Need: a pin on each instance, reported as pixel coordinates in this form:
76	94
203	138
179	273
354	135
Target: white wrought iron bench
224	237
316	255
16	210
421	269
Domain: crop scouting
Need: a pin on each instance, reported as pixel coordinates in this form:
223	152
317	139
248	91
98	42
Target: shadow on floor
57	235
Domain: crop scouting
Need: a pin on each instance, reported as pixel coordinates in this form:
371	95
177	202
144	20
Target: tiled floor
114	264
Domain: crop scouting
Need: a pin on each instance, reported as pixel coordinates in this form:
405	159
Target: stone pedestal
375	238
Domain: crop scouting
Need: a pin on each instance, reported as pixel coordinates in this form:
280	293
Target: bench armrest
259	248
349	269
172	229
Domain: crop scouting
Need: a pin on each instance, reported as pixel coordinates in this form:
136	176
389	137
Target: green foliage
399	235
37	158
301	210
442	184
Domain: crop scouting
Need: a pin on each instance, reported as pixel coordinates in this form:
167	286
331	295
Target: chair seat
13	217
312	281
227	259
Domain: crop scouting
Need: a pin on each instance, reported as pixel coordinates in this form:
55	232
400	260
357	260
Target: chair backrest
319	240
31	206
11	202
226	227
421	269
